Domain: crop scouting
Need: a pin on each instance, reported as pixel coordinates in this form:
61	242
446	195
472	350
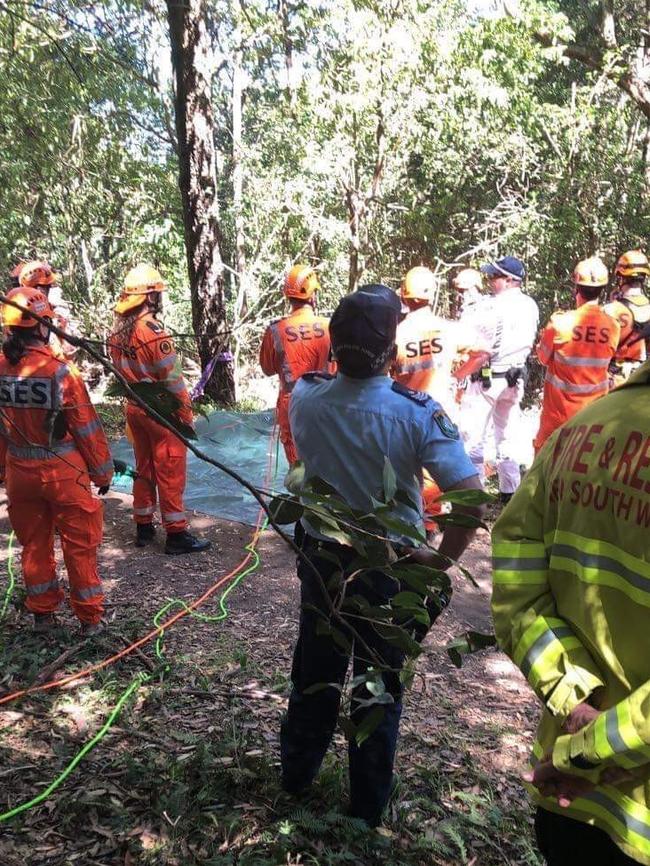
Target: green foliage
371	141
158	398
470	642
382	538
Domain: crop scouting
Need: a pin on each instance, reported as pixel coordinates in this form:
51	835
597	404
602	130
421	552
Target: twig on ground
46	672
137	651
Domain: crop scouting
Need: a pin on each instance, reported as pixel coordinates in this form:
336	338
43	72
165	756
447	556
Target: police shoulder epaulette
154	326
315	375
420	397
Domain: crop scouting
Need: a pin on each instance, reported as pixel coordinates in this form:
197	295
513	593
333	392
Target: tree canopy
363	136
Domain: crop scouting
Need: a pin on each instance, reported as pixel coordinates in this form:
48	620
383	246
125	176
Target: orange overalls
630	352
52	446
426	348
160	457
576	347
297	344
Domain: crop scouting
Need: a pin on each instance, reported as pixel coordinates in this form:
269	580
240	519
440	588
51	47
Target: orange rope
156	631
137	644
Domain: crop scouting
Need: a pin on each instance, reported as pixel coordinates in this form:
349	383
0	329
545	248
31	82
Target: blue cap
508	266
391	297
362	332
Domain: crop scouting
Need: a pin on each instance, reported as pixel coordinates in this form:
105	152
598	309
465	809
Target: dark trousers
566	842
311	718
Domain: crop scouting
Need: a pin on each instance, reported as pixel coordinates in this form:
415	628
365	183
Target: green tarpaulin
245	443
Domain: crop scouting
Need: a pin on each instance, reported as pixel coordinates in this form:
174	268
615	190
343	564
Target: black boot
145	532
45	622
185	542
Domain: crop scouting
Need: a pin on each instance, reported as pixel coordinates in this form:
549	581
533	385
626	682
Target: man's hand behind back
580	717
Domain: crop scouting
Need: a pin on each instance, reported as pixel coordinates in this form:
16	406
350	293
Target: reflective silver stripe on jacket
101	470
89	428
34	452
416	367
575	361
542	643
176	387
572	388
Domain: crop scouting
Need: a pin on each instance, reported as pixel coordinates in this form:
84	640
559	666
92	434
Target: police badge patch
447	426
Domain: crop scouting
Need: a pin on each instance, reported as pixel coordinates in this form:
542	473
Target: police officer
345	428
491	406
570	606
295	344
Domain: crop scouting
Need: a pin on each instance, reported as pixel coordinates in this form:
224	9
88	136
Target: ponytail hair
16	344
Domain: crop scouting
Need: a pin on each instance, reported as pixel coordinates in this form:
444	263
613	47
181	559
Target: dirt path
465	733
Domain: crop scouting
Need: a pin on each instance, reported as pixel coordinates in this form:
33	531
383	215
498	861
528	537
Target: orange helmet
139	281
31	299
468	278
301	282
37	274
632	264
418	285
591	272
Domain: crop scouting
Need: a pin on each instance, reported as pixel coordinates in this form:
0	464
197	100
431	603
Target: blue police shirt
344	428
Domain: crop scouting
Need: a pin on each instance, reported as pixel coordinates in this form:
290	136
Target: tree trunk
240	277
192	63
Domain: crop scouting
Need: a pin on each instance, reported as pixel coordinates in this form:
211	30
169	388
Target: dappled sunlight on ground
195	756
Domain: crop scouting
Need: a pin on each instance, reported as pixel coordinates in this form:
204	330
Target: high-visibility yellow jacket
571	603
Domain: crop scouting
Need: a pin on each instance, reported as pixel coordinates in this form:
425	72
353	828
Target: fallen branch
46	672
137	651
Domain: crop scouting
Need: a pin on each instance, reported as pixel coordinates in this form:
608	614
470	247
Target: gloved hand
103	490
513	375
119	467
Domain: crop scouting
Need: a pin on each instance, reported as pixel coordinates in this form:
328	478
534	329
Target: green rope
12	577
141	677
223	611
137	682
204	617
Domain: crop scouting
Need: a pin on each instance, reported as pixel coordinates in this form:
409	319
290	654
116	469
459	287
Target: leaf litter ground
189	773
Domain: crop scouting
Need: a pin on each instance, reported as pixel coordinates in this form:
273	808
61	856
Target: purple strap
199	389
